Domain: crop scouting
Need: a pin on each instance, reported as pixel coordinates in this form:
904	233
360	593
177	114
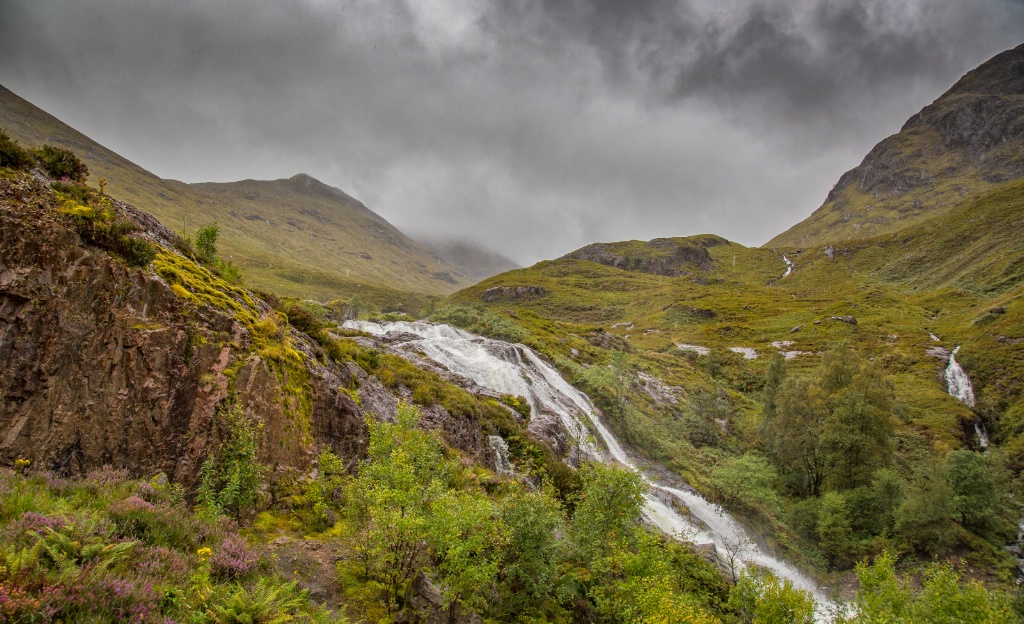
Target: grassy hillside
296	237
954	279
968	142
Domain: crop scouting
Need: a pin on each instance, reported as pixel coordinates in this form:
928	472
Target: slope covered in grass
297	236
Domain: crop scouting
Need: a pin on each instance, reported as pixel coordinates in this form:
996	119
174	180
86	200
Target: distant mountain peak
968	141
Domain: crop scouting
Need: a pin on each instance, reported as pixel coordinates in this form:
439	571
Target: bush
12	154
230	478
62	163
233	559
99	227
925	520
206	242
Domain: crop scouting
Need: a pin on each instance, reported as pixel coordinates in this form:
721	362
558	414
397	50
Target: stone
512	293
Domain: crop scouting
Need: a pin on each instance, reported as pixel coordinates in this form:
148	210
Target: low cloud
531	127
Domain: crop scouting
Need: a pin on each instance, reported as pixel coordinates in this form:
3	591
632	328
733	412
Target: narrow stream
516	369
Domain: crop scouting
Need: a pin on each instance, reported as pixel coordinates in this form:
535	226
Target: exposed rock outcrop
109	364
671	257
967	141
106	364
512	293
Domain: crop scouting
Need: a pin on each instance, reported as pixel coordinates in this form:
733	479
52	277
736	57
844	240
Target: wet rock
796	329
845	319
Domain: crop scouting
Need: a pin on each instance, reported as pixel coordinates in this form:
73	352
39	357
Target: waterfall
958	383
789	265
517	369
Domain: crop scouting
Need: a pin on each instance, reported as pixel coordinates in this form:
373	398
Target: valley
829	426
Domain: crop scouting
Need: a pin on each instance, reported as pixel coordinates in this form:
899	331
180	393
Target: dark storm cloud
531	126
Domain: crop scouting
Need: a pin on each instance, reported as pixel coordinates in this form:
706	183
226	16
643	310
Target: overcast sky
532	127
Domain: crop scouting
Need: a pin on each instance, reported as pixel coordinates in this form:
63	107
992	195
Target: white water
959	385
517	369
789	266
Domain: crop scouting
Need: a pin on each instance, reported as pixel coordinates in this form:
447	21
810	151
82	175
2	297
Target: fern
264	603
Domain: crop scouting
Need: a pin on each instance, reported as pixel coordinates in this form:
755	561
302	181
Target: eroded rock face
512	293
661	256
104	364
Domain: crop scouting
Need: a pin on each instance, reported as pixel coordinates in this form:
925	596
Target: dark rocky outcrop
108	364
104	364
672	257
512	293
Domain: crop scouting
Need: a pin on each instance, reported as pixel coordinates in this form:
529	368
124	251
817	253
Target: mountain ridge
968	141
315	242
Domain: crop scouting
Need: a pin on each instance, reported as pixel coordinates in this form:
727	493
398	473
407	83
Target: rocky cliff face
969	140
662	256
108	364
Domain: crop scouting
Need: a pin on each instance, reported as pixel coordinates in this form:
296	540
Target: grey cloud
531	126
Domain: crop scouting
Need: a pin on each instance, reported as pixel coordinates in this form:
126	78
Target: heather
106	548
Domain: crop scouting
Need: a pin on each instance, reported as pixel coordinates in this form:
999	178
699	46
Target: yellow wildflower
204	552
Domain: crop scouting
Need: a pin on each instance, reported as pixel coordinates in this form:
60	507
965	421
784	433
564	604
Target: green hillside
958	276
296	237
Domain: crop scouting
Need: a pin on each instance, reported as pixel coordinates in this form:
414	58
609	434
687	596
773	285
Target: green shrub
302	319
230	478
12	154
98	226
206	242
62	163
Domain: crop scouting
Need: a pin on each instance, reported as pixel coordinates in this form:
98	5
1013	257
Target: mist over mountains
304	414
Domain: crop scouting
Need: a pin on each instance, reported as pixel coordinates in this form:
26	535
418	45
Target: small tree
530	569
735	549
206	242
467	538
607	512
12	154
389	502
230	478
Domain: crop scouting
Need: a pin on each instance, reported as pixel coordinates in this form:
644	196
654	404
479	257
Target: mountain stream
959	385
516	369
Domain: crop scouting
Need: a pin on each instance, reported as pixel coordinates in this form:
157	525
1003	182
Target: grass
959	275
295	237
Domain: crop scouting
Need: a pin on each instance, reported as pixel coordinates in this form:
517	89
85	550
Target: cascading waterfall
789	265
959	385
517	369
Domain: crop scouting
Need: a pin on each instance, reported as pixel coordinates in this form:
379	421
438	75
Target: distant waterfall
959	385
957	382
517	369
789	265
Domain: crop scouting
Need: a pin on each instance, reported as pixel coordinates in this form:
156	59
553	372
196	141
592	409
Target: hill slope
296	237
970	140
